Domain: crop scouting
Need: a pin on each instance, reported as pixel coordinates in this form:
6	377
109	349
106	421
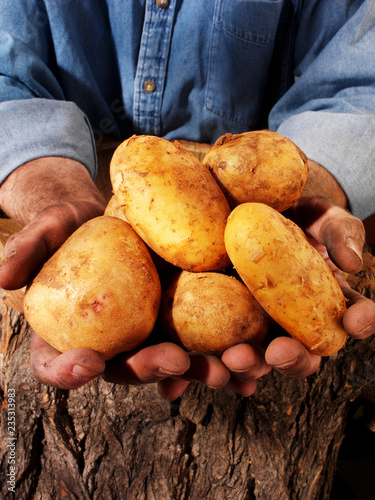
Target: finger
148	365
171	388
26	251
204	368
244	388
359	318
207	369
289	357
245	362
69	370
344	236
339	231
212	371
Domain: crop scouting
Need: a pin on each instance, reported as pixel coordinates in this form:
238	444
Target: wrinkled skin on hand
53	208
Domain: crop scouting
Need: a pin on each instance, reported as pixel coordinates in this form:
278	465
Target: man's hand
166	364
339	236
49	220
50	198
26	251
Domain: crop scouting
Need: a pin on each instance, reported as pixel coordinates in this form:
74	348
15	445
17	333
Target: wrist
47	181
322	184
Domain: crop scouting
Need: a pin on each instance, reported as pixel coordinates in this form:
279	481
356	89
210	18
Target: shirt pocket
241	48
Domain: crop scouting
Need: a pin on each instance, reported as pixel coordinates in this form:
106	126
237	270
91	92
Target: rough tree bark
125	442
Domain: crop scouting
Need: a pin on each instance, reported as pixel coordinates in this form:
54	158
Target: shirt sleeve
329	112
36	119
35	128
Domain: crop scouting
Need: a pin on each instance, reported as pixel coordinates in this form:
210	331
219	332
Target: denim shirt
75	71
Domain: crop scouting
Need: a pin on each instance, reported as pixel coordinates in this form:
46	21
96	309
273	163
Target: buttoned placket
152	66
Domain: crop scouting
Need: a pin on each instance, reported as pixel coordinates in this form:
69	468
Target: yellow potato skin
287	276
209	312
172	202
259	166
113	209
100	290
164	268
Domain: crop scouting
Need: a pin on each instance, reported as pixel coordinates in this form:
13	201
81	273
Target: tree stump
125	442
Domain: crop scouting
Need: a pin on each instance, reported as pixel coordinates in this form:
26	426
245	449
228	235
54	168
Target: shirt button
149	86
162	4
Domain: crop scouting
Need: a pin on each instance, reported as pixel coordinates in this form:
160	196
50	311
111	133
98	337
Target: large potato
287	276
99	290
164	268
259	166
210	312
113	209
172	202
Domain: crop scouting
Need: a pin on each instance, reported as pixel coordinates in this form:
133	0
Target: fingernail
350	243
243	375
9	255
169	373
286	364
243	370
367	330
83	373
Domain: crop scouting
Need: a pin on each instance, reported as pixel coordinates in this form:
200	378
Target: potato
287	276
99	290
164	268
172	202
260	166
113	209
209	312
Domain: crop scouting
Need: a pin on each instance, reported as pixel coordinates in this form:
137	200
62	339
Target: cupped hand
170	367
166	364
339	237
173	369
50	198
330	228
26	251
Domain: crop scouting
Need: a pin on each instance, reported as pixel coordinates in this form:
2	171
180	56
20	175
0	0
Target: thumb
24	254
333	230
344	237
26	251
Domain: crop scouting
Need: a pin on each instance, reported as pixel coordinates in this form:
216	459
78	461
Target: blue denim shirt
74	71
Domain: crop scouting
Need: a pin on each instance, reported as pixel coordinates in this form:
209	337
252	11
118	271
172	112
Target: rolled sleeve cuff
36	128
344	145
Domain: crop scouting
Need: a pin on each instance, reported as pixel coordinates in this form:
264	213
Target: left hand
339	237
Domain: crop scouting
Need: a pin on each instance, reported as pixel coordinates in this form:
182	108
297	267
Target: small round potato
287	276
172	201
99	290
259	166
210	312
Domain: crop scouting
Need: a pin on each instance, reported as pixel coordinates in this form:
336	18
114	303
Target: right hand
50	198
26	251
